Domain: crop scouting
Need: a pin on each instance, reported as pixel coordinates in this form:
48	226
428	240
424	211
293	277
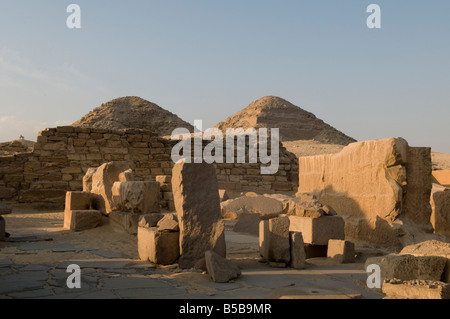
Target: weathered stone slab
158	247
318	231
341	251
219	268
124	222
297	247
416	289
136	197
408	267
79	220
87	179
103	180
262	206
373	185
197	203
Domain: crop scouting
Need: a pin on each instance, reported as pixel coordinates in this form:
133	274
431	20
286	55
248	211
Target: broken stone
158	247
78	201
440	210
124	222
79	220
416	289
103	180
136	197
408	267
150	220
341	251
305	205
264	239
297	246
168	223
87	179
318	231
261	206
197	203
219	268
223	194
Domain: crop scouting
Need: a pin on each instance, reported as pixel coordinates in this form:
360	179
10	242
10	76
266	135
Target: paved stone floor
33	264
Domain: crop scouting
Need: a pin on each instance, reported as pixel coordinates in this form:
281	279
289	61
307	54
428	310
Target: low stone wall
62	156
377	186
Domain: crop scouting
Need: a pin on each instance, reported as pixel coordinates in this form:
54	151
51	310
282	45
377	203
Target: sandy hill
294	123
132	112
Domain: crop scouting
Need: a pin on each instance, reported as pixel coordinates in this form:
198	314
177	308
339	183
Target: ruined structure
381	188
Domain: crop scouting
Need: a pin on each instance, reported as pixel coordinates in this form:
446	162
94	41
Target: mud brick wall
62	156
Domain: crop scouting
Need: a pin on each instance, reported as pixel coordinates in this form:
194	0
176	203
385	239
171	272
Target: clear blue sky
207	59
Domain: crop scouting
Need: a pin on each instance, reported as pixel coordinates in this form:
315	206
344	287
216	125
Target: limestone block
264	239
279	249
158	247
103	180
150	220
136	197
197	203
408	267
87	179
248	224
262	206
318	231
78	201
219	268
441	177
297	247
79	220
341	251
416	289
168	223
440	210
124	222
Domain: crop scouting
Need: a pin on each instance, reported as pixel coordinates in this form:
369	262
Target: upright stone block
2	228
161	248
279	250
264	239
197	203
298	254
79	220
78	201
87	179
136	197
318	231
124	222
341	251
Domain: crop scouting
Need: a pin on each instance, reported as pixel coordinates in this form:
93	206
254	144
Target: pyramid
133	112
294	123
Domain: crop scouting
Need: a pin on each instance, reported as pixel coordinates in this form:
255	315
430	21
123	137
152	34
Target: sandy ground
37	269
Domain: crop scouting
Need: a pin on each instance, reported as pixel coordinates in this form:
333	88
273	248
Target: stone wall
62	156
377	186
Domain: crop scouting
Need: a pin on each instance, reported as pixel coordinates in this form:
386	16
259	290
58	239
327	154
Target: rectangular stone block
279	250
78	201
79	220
318	231
264	239
124	222
158	247
298	254
341	251
416	289
136	197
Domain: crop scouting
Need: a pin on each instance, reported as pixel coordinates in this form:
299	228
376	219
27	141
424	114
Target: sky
208	59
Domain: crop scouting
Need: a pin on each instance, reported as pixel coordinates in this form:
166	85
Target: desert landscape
104	194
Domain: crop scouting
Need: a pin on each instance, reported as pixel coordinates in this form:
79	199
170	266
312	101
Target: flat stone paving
108	274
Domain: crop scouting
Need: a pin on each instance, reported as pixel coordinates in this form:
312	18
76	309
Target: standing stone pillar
197	203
